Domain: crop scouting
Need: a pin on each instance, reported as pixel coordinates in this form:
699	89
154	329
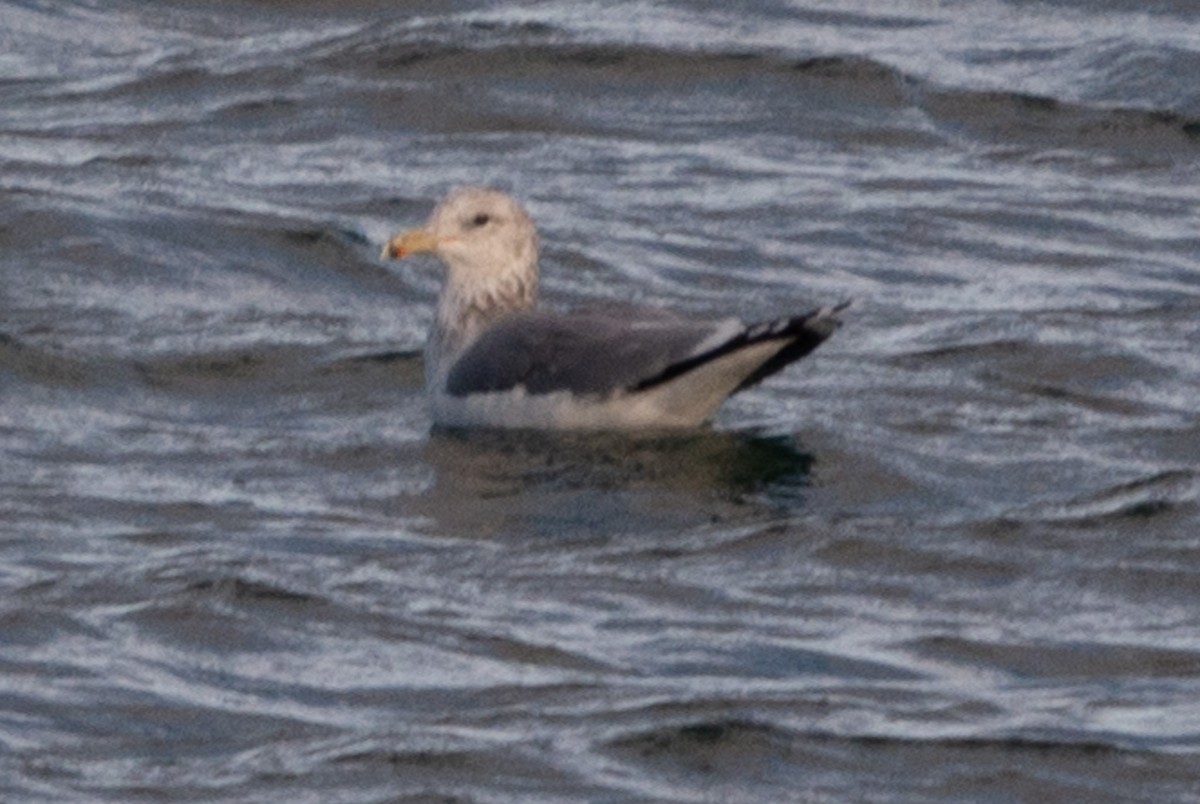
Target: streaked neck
467	308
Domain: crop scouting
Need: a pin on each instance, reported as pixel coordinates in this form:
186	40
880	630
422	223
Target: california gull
494	359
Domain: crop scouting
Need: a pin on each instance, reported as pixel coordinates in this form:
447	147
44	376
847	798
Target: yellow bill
414	241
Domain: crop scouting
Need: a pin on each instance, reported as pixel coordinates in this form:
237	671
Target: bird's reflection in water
491	483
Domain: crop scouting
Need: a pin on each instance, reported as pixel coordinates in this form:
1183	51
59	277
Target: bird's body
494	359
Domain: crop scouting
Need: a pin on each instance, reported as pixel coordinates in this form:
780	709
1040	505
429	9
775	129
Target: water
952	556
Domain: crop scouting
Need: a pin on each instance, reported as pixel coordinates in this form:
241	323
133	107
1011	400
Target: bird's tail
803	334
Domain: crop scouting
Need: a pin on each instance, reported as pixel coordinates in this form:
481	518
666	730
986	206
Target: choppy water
955	555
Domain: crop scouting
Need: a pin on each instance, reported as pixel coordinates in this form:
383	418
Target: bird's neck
469	304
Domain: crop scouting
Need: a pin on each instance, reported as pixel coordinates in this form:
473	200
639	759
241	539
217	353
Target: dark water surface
953	556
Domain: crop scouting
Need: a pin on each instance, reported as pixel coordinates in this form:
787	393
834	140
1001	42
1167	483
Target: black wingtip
805	333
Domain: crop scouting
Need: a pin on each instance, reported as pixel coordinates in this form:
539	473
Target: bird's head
480	234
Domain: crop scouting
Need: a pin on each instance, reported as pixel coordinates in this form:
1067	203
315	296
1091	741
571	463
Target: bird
496	359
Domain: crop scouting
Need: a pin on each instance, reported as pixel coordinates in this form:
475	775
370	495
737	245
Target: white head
480	234
489	248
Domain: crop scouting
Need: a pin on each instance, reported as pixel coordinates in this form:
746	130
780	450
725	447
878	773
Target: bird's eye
481	219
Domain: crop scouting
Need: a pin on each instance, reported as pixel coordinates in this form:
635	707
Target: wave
1172	493
738	737
282	75
774	761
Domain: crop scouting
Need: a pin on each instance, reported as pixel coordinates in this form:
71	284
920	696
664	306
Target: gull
495	359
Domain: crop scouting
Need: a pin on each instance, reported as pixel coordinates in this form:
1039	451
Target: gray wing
597	353
586	353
